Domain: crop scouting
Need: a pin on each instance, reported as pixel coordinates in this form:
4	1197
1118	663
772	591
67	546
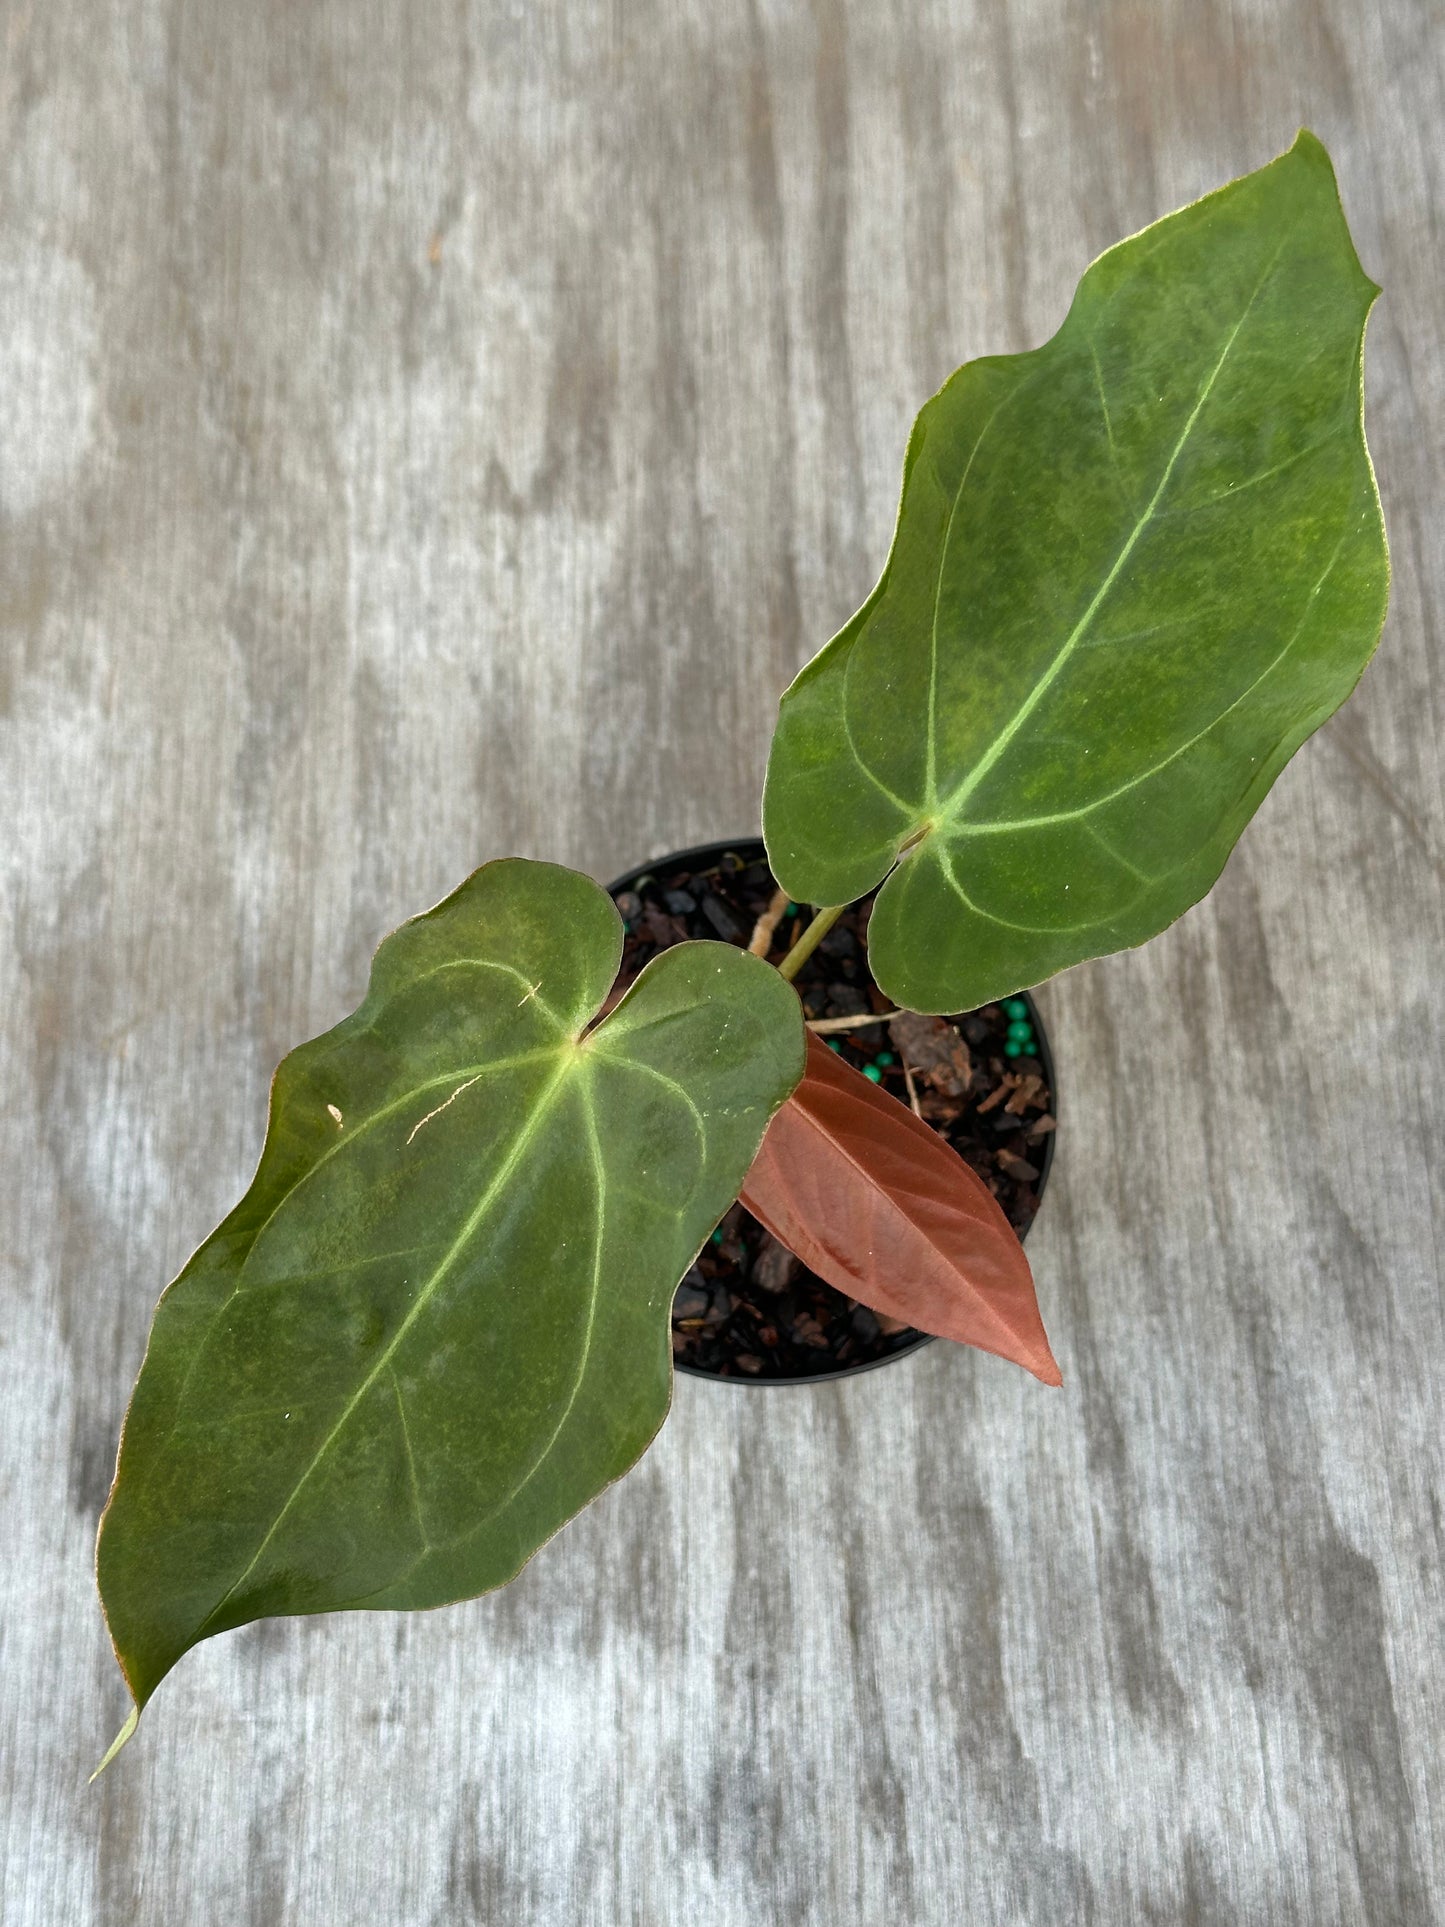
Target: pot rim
752	849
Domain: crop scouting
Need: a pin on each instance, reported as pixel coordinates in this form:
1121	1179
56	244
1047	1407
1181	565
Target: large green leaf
437	1323
1133	570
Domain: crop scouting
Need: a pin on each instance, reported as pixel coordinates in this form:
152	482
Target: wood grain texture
435	431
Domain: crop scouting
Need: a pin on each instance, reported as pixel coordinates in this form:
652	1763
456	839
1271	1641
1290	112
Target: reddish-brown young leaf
875	1202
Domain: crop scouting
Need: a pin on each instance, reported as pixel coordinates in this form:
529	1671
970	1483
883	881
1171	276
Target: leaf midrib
948	810
980	1303
349	1138
952	805
519	1146
1000	826
474	1072
570	1061
539	1458
586	1093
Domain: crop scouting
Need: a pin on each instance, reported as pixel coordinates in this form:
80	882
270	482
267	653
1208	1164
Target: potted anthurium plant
1133	570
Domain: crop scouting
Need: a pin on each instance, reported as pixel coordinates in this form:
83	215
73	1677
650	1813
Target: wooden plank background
436	430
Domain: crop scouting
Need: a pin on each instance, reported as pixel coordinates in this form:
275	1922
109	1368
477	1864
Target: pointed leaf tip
878	1204
1133	570
131	1722
436	1326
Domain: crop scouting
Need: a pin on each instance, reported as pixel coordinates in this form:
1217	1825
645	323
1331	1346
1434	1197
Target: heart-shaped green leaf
437	1323
1133	570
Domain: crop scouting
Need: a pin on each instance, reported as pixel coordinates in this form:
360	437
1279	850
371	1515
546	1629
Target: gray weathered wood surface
434	430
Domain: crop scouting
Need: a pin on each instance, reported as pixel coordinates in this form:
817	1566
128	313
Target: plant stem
761	941
814	934
825	1025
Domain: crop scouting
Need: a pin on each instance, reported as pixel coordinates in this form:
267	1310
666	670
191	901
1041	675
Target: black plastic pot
750	849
